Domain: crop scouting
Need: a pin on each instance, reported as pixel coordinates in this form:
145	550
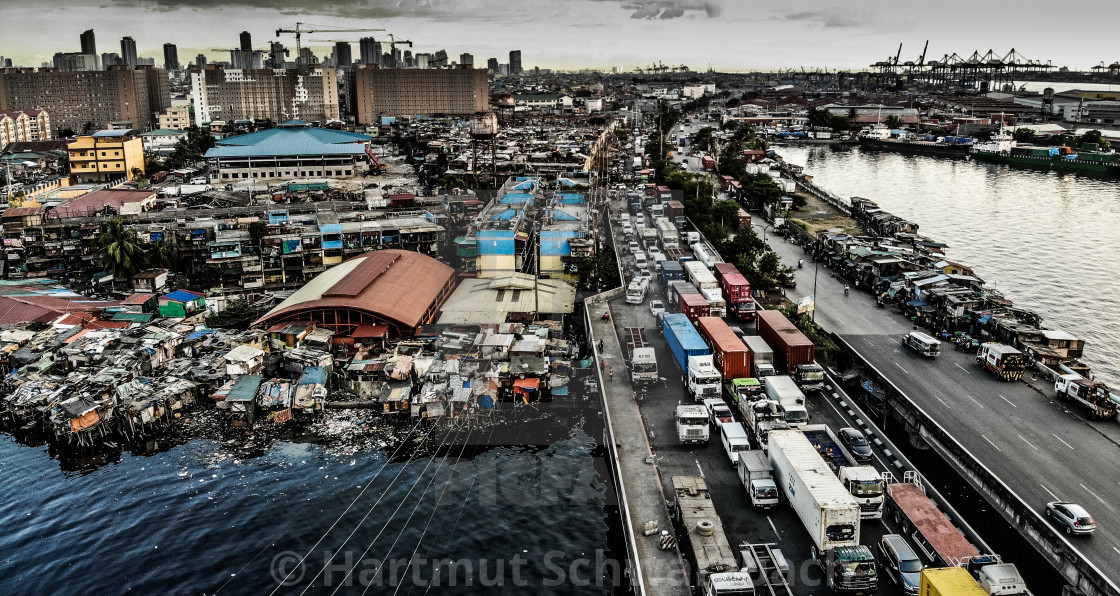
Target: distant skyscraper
128	51
72	61
408	59
246	42
515	62
369	50
170	56
200	61
276	53
439	60
466	60
110	59
89	46
396	58
492	65
306	58
343	56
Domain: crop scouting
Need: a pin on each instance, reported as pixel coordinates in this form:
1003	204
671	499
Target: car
856	442
718	411
900	562
1072	517
634	246
656	308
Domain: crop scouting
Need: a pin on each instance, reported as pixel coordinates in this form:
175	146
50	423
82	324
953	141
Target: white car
656	308
718	410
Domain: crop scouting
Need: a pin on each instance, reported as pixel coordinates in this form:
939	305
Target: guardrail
1066	558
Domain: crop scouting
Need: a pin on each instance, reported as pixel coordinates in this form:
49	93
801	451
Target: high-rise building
409	60
421	60
515	62
306	58
200	61
343	57
246	42
75	61
110	59
397	55
309	94
439	60
99	98
89	46
466	60
276	55
128	51
369	51
170	56
492	65
399	92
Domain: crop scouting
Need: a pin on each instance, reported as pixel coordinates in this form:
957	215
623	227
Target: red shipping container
694	306
731	355
790	346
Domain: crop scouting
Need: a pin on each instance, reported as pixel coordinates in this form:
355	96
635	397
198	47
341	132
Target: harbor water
1047	241
197	519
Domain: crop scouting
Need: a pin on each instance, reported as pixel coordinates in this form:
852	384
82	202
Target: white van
734	439
640	259
922	343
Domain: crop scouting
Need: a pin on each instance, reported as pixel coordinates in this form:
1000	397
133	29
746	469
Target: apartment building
88	100
309	94
24	125
408	92
174	118
105	155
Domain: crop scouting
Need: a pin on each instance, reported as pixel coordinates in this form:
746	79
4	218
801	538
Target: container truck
743	390
670	271
795	353
714	568
668	233
700	276
1091	396
707	255
1004	361
865	483
949	581
784	391
930	529
692	424
763	417
737	292
694	306
717	307
757	476
829	513
680	288
693	356
732	358
708	162
643	366
674	209
762	357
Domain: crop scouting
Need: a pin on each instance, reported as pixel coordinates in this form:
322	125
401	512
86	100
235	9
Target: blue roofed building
564	235
293	149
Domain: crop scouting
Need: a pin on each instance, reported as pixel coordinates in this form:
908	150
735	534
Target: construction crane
393	41
300	30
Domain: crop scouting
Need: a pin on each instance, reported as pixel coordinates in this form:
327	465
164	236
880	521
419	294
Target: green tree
258	230
725	212
190	148
703	138
67	133
236	315
893	122
121	250
1024	135
1094	136
762	189
159	254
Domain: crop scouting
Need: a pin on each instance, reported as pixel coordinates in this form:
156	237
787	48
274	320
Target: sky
727	35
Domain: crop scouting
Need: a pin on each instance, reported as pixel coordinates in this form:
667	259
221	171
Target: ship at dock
1003	150
881	139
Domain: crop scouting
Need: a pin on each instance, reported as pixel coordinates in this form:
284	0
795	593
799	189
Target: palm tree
159	254
121	249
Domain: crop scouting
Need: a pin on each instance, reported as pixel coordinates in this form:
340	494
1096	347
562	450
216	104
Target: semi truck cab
692	424
703	379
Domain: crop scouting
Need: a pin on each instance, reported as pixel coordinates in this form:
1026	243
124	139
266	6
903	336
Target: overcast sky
728	35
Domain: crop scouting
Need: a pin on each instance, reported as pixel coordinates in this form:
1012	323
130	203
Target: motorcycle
607	316
800	263
847	290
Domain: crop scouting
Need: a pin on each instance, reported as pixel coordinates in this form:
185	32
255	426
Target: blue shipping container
683	339
671	271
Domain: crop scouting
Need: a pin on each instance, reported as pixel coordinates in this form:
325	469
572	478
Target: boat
1002	150
878	138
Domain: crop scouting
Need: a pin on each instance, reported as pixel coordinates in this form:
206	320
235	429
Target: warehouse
293	149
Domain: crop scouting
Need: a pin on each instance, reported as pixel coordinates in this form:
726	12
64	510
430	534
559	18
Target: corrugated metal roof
291	141
245	389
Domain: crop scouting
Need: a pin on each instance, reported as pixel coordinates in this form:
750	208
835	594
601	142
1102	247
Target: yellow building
106	155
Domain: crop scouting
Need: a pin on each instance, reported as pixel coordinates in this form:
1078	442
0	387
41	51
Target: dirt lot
818	215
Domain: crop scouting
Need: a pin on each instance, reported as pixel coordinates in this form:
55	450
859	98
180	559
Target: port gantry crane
300	30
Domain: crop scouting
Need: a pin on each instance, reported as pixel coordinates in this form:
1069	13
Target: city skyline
566	34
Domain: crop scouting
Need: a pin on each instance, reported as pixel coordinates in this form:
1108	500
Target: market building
293	149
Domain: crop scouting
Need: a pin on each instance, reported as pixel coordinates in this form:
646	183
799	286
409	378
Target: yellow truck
949	581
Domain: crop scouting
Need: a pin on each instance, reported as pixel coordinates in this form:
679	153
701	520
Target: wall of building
402	92
309	94
75	98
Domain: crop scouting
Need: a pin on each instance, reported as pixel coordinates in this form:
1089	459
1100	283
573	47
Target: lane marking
991	443
1028	442
876	455
772	526
943	401
974	400
1116	549
1056	497
866	319
868	341
699	468
962	368
1008	401
1090	491
1060	439
900	367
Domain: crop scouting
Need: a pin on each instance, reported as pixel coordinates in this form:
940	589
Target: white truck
784	390
757	476
692	424
865	483
717	306
668	233
636	291
706	254
827	510
703	379
643	366
762	357
763	417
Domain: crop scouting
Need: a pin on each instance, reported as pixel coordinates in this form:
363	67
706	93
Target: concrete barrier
1053	546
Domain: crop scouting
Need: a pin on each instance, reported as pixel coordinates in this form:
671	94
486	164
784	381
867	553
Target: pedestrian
600	345
611	373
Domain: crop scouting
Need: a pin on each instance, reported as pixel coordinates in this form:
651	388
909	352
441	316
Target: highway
1038	447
